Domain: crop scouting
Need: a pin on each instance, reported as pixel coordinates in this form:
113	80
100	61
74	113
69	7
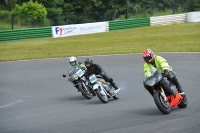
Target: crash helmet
72	60
148	56
88	62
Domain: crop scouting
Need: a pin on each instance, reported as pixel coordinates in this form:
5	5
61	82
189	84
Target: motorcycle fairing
174	101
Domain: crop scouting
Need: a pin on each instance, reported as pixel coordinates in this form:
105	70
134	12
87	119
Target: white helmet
72	60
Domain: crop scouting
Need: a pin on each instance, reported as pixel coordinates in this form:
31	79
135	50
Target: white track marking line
11	104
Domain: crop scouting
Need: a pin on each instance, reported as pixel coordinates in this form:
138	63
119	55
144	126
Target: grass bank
170	38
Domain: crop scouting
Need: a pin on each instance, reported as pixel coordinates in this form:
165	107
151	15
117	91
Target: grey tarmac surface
35	98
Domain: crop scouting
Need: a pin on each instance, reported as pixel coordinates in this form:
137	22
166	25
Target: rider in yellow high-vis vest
159	62
154	61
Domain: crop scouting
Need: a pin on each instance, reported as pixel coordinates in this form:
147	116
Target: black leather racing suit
98	70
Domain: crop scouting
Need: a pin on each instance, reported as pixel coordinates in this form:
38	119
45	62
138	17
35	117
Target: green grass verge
171	38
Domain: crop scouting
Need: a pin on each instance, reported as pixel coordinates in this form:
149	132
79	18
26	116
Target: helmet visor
148	59
87	64
73	63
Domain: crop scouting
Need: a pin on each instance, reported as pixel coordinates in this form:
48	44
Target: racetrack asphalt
35	98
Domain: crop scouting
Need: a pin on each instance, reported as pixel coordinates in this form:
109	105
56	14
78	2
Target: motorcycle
165	97
103	89
78	79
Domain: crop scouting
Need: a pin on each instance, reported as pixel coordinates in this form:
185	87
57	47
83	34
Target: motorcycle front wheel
162	105
85	91
102	95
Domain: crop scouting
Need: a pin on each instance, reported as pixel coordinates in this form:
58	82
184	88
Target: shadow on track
153	111
73	98
96	100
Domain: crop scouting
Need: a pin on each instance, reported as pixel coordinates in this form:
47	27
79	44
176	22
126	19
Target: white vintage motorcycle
103	89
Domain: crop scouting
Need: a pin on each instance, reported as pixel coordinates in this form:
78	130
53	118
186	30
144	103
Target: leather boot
178	86
114	85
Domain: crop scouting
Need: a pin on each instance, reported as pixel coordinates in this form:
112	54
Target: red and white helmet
148	56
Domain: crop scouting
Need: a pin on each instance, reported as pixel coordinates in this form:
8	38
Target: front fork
101	90
162	93
84	86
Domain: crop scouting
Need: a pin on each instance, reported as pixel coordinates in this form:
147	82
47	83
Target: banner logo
58	31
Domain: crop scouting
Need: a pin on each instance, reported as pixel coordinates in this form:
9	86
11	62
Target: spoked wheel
162	105
102	95
86	93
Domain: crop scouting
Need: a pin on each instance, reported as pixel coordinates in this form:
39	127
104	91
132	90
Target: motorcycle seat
102	80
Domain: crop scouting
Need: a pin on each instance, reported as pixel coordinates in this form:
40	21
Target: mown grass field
170	38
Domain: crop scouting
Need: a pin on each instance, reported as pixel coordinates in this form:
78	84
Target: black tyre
116	96
85	92
103	98
183	103
163	106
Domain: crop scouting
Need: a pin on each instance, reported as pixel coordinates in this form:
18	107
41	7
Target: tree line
55	12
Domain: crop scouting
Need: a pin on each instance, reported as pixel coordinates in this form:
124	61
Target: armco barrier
129	23
8	35
168	19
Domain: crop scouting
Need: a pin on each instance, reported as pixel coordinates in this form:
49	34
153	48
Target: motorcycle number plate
93	78
79	73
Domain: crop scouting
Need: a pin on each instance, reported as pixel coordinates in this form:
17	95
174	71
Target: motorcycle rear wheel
104	98
163	106
183	103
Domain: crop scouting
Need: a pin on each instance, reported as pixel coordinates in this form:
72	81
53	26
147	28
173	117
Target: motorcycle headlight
151	82
75	77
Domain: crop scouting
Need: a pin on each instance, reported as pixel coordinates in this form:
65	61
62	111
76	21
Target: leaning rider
94	68
73	61
152	60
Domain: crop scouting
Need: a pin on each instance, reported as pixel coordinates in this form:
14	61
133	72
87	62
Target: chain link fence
12	21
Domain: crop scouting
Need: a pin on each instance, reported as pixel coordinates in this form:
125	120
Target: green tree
196	5
32	12
7	4
55	11
92	10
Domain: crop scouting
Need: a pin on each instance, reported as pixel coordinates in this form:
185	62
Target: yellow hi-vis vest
160	63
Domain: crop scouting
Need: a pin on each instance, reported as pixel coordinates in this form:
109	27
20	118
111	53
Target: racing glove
79	62
166	74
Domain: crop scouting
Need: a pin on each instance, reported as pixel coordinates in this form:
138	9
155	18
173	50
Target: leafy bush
196	5
5	15
31	13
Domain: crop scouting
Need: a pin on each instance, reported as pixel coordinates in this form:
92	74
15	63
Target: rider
73	61
159	62
94	68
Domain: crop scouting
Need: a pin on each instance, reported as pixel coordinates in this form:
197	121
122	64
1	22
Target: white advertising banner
78	29
193	17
